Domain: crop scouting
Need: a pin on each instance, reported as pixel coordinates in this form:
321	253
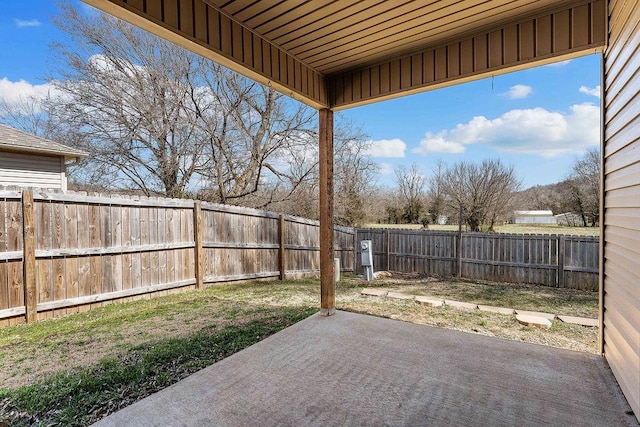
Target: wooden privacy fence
550	260
66	252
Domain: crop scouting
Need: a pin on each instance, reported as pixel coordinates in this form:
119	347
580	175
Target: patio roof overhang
340	54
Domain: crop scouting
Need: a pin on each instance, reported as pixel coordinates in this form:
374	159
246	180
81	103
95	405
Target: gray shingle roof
18	141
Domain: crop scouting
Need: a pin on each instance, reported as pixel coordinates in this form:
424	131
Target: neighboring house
27	160
534	217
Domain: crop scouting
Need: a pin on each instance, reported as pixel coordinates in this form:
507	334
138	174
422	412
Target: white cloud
519	91
528	131
385	169
390	148
14	93
593	91
439	144
21	23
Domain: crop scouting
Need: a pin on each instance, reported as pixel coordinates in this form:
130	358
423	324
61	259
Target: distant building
534	217
27	160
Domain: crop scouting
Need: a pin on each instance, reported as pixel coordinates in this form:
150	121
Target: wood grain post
327	278
387	247
197	235
459	246
281	250
561	247
356	243
29	258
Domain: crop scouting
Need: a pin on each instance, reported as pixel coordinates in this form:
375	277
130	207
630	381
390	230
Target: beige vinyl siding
29	170
621	288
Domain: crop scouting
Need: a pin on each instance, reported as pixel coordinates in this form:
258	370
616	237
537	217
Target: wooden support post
281	250
327	279
197	232
29	257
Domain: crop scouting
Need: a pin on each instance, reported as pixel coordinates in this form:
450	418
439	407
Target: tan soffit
342	53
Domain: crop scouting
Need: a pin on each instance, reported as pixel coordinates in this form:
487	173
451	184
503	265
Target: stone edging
527	318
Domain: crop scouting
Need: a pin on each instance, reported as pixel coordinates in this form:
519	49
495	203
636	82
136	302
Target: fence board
90	249
550	260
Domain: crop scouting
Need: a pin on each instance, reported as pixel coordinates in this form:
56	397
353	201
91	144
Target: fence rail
67	252
550	260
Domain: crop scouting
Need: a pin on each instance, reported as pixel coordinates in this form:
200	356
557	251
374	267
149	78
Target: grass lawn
78	369
506	229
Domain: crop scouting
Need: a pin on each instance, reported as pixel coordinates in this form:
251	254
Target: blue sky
540	120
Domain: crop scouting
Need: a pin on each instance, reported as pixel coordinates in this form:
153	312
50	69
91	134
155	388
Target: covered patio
353	369
347	369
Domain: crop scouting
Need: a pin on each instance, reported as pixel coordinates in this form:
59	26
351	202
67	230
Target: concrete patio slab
354	370
584	321
374	292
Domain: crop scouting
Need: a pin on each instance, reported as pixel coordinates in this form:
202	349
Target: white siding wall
621	287
28	170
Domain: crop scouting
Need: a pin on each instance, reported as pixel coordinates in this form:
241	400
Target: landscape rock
374	292
429	302
537	321
547	316
583	321
460	304
493	309
399	295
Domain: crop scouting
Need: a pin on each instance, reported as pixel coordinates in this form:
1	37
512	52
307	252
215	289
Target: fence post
197	231
388	249
281	250
561	248
355	251
29	258
459	245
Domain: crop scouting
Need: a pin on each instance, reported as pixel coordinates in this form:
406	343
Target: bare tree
160	119
485	191
354	174
128	104
26	114
411	183
583	187
436	196
250	128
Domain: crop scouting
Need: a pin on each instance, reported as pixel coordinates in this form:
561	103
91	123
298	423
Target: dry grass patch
524	297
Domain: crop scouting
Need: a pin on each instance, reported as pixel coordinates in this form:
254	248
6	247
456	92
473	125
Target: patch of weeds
85	395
